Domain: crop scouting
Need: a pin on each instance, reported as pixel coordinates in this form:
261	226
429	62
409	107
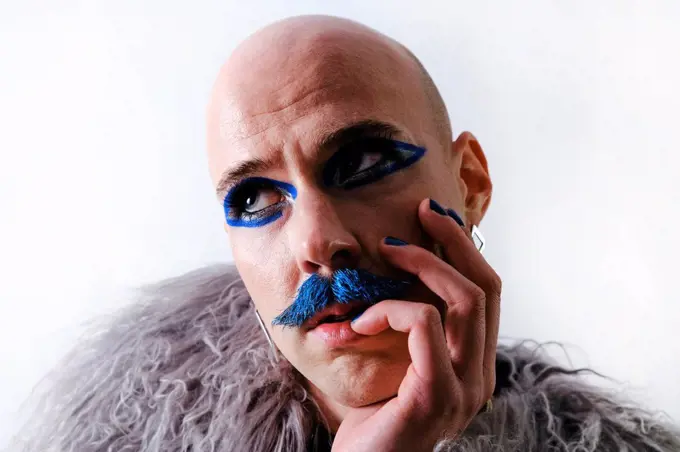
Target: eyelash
396	155
234	202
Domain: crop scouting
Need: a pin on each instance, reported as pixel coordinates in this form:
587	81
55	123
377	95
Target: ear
474	179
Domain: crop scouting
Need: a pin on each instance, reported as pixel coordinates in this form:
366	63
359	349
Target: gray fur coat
186	368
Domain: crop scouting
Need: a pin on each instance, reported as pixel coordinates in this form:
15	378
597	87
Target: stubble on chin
363	377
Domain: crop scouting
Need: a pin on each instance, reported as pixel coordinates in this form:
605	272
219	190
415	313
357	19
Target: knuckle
495	283
477	294
475	301
428	315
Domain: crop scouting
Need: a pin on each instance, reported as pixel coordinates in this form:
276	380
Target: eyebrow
241	171
356	131
336	139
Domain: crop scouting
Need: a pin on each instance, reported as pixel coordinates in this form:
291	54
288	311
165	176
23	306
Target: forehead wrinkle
282	115
327	76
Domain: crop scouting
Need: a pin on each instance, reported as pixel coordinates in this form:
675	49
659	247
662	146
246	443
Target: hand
452	371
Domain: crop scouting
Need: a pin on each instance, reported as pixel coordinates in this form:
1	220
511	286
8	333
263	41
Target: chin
358	380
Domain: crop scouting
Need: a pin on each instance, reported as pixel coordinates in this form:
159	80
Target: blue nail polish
434	205
394	241
357	316
452	213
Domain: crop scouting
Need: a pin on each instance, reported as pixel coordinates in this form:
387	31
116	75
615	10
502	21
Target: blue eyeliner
232	207
397	156
356	164
238	223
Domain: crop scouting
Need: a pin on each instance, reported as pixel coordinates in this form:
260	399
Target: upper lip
334	308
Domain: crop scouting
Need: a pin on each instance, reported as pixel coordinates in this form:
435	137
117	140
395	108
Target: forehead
267	103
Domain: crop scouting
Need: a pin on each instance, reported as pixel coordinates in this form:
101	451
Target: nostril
343	258
310	267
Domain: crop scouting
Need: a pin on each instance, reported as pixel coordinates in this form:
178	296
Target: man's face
308	126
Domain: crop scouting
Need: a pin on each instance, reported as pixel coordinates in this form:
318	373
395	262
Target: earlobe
474	175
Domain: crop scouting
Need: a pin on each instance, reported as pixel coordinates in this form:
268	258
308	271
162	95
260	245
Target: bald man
362	316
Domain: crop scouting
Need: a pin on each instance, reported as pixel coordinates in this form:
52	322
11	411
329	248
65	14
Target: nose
319	238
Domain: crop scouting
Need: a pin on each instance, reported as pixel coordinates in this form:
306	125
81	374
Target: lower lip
336	334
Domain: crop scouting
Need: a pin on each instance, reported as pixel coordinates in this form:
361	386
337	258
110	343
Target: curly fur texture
187	369
545	407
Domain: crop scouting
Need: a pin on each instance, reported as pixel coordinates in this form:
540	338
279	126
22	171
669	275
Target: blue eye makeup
368	160
257	201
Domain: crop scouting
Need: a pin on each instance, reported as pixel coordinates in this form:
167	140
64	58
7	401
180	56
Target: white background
104	182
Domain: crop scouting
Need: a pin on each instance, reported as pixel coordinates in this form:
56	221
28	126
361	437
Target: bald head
309	48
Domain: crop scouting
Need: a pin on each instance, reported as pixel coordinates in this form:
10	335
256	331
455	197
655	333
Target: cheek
443	181
394	213
270	279
266	272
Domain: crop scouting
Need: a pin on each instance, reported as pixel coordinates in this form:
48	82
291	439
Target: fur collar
186	368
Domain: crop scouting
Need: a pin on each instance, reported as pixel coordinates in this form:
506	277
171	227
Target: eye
355	163
368	160
261	199
257	201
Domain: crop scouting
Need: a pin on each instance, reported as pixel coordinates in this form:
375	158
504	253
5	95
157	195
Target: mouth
337	313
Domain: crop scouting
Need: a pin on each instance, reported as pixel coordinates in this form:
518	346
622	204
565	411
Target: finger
458	247
426	341
465	315
460	252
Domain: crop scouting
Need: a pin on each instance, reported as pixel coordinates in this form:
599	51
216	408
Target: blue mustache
345	285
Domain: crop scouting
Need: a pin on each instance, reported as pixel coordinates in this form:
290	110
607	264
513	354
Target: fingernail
394	241
434	205
452	213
